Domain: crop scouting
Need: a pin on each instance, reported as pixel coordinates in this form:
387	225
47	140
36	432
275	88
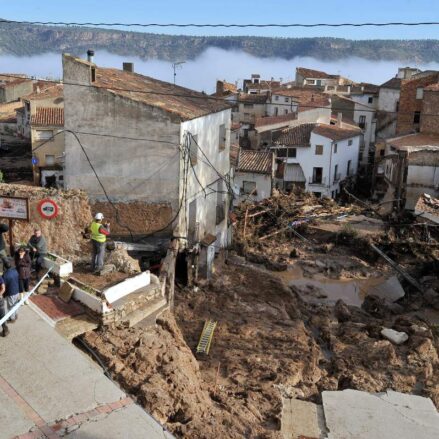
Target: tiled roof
270	120
259	162
296	136
187	104
51	91
7	79
333	132
345	121
309	73
48	116
415	141
307	98
394	83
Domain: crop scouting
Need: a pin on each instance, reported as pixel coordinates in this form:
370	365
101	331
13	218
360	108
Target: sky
240	11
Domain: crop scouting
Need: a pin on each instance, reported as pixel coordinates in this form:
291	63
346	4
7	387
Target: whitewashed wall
263	185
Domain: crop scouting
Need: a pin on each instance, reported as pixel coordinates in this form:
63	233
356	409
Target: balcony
337	177
317	181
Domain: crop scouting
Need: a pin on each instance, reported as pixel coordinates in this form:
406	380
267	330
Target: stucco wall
137	167
430	116
207	130
263	185
14	92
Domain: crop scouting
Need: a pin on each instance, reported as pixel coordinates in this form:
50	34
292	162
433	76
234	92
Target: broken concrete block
66	292
106	269
394	336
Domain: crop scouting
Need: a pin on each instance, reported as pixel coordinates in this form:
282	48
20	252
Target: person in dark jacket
3	307
38	248
12	284
23	264
3	229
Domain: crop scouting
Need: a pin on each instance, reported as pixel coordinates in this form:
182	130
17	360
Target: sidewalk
49	389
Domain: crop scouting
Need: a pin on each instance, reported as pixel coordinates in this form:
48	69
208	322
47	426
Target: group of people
16	273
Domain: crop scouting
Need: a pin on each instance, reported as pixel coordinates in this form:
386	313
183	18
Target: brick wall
408	104
430	117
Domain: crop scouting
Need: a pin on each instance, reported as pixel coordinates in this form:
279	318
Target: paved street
49	389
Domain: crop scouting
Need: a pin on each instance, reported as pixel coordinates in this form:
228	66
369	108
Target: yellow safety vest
95	234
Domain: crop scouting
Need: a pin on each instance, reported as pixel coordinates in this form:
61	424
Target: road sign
14	208
35	161
48	209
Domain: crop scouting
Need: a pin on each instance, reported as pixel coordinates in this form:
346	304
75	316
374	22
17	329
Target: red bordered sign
48	209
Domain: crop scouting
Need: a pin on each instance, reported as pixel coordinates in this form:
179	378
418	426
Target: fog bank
202	73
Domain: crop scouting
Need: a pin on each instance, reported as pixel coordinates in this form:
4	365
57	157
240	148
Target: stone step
147	312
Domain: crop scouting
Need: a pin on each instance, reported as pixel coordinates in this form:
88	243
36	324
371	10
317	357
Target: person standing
3	229
23	265
38	248
12	285
99	233
3	307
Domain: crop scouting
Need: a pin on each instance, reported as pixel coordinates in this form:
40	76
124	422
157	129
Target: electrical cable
224	25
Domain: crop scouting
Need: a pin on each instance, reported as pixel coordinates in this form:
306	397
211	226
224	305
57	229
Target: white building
163	147
253	175
388	106
364	115
316	157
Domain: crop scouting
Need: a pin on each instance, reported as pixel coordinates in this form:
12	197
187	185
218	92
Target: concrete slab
12	420
131	422
73	326
301	419
390	290
352	414
56	378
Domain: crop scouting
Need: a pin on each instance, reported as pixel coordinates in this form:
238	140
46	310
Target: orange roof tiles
51	91
270	120
310	73
307	98
48	116
258	162
187	104
334	132
296	136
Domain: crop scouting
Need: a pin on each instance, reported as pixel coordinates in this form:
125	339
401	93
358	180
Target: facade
253	178
411	102
409	168
316	157
365	117
317	78
152	143
13	87
388	106
47	138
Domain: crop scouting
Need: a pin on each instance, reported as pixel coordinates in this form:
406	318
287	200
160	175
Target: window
382	153
311	81
336	176
286	100
248	105
350	142
222	137
397	106
317	194
335	148
276	98
282	152
419	92
319	149
348	168
362	122
317	175
50	160
370	100
417	117
292	153
276	111
43	134
93	74
193	150
249	187
286	111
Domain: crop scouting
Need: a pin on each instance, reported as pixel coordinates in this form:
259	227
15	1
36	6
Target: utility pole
175	65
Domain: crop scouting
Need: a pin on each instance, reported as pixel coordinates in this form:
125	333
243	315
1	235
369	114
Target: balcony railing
337	177
317	181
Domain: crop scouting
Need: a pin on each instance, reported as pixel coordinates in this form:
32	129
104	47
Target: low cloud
202	73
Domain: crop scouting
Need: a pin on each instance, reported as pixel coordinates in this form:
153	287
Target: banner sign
14	208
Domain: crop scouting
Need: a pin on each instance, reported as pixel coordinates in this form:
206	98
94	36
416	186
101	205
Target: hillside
22	40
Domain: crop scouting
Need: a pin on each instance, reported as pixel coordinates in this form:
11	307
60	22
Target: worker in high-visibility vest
99	232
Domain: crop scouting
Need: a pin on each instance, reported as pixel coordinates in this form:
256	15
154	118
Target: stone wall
64	233
430	116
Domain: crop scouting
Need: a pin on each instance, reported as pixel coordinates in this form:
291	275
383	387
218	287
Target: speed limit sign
48	209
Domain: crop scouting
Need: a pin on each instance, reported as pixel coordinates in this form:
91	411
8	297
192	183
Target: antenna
176	65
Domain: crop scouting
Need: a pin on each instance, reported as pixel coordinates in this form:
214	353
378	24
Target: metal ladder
206	337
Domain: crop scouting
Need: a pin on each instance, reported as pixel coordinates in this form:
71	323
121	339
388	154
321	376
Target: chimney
90	55
128	67
339	119
220	88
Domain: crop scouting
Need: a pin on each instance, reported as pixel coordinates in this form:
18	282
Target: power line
225	25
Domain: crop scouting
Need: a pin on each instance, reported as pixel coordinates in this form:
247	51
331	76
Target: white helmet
99	216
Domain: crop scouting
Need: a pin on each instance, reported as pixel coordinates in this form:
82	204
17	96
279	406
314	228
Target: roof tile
48	116
259	162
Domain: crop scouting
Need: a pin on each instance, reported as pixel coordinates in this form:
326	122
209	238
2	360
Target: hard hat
99	216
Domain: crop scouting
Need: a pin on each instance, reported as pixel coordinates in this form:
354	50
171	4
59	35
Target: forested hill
22	40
